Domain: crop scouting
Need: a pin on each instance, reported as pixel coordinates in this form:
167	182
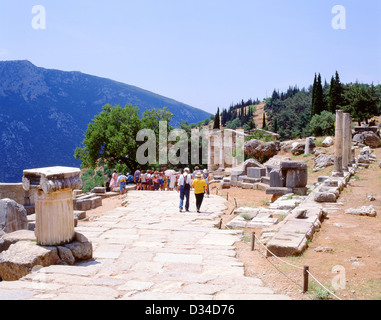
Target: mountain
44	113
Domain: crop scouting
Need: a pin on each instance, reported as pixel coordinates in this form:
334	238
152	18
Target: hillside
44	113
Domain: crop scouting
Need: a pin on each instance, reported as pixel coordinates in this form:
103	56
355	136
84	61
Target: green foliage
260	135
289	113
335	98
234	124
318	103
362	101
250	125
91	178
323	124
111	136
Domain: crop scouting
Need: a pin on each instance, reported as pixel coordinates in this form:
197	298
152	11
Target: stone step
265	180
246	179
261	186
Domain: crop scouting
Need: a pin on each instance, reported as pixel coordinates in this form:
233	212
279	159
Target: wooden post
235	203
227	196
220	224
305	279
253	241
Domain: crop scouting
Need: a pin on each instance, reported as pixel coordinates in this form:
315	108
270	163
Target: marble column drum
54	217
53	203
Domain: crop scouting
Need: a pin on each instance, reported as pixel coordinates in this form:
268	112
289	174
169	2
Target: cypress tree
335	94
313	100
217	120
318	104
264	121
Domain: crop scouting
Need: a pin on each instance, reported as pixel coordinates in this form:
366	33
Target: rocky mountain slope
44	113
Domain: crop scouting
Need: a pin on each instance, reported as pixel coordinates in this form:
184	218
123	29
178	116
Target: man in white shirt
184	185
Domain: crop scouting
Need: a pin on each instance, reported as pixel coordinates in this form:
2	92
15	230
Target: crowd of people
169	180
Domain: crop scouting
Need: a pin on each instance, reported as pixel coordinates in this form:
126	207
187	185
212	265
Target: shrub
323	124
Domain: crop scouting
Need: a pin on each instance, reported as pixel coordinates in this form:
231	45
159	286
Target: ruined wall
15	191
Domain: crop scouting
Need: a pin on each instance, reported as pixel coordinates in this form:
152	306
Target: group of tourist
168	180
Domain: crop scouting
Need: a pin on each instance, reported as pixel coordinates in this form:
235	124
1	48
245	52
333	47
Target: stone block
300	191
21	257
325	197
260	186
96	202
13	216
285	244
81	250
99	190
80	215
276	179
296	178
253	172
77	192
83	204
278	190
299	165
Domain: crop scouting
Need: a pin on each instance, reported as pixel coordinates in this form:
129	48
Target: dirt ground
355	241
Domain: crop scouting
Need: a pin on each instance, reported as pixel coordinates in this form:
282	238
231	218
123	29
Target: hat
198	175
186	169
205	171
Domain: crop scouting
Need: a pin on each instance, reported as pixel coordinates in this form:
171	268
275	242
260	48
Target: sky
207	54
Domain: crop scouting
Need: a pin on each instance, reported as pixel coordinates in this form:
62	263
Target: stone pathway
150	251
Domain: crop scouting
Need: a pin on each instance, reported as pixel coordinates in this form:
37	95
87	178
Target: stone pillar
347	140
338	165
53	203
307	149
352	151
222	151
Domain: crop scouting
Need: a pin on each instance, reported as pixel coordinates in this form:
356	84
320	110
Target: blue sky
208	53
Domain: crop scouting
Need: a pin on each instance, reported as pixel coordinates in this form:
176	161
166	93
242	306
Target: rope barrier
323	285
285	262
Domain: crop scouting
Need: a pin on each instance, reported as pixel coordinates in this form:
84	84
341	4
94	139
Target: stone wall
15	191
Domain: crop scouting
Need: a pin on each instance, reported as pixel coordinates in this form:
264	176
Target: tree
362	102
335	98
111	136
217	120
318	103
264	126
323	124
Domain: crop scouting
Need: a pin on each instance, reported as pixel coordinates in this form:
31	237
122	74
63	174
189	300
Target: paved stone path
148	250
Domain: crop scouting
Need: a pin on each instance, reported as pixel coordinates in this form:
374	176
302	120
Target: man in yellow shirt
200	186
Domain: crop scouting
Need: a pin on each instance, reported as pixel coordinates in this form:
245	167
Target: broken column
338	165
54	203
309	146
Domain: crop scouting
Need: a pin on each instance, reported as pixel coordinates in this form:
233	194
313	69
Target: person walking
184	185
200	186
122	180
137	181
114	180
